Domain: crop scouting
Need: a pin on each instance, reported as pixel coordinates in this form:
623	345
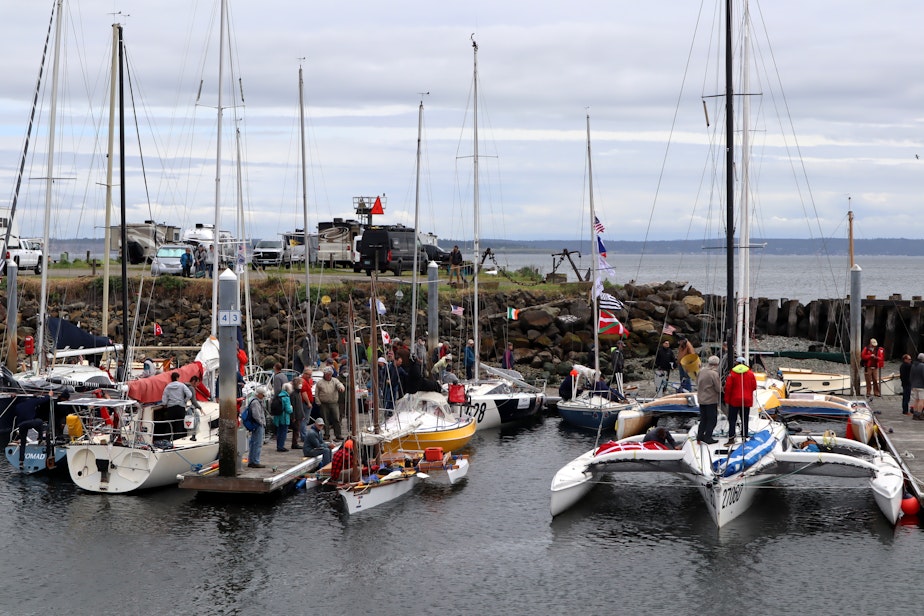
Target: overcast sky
837	106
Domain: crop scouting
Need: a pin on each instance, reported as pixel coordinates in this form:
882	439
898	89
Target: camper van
390	248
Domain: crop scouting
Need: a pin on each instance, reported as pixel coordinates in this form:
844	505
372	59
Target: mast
301	122
595	255
476	247
49	184
744	241
215	232
107	228
122	197
245	273
729	191
414	277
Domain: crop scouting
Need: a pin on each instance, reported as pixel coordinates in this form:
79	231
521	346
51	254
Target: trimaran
729	477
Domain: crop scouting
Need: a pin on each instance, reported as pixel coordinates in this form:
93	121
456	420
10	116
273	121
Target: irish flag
513	314
610	325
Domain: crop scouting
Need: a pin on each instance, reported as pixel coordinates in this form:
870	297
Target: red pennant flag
377	208
157	330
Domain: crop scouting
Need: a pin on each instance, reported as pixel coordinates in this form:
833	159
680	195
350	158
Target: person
660	435
200	261
684	349
401	350
148	367
455	266
210	260
186	262
341	463
917	388
739	396
439	368
314	444
618	361
328	391
298	411
470	360
708	388
437	353
566	388
26	413
507	360
873	358
663	364
388	387
278	379
257	406
193	385
419	355
610	393
120	371
176	396
449	376
283	420
904	374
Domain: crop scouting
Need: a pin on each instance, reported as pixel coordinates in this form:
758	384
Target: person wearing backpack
328	392
281	410
257	410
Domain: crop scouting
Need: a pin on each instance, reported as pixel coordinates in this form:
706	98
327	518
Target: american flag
669	329
457	310
598	226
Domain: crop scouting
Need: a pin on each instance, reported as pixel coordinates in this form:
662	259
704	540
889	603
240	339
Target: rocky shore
553	331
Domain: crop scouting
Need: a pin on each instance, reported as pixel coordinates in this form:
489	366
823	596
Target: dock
282	469
905	437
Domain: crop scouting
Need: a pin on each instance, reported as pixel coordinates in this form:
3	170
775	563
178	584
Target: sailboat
730	476
502	399
592	408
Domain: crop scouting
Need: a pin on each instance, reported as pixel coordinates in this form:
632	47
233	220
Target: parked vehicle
435	253
270	253
27	254
167	260
335	241
391	248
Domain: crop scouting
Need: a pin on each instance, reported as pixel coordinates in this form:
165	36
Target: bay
801	277
487	546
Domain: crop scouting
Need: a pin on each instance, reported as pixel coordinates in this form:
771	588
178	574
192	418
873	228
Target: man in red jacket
873	358
739	396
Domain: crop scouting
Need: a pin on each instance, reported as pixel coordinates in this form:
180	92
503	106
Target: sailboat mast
108	228
416	272
242	233
221	112
476	247
729	190
122	197
301	122
49	184
595	253
744	240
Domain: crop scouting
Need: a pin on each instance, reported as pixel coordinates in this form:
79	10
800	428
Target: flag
513	314
379	306
601	249
386	339
377	208
598	226
669	329
456	310
610	303
610	325
157	330
605	267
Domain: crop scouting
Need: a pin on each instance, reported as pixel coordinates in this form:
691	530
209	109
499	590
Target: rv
335	241
143	239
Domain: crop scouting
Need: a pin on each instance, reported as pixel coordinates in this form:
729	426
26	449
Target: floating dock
281	469
905	437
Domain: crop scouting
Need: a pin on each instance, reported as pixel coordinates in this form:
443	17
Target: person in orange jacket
873	359
739	396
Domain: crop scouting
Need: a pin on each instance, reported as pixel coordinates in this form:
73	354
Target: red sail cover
151	389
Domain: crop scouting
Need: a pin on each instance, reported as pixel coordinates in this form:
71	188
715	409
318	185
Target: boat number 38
730	496
475	410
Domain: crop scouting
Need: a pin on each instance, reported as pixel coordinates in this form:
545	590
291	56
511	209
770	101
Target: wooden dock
905	437
281	470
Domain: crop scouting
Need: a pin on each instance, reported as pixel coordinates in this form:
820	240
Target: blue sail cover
65	334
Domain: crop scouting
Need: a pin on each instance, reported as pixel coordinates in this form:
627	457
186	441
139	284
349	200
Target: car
435	253
167	260
27	254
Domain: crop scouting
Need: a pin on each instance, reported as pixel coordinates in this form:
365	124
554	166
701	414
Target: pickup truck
27	254
269	253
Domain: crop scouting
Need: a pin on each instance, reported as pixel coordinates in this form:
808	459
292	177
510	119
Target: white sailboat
729	476
501	399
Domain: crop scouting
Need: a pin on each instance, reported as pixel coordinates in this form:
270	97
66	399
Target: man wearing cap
708	387
327	393
341	464
257	408
739	396
314	444
873	359
470	359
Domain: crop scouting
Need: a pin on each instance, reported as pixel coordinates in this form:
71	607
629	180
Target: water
800	277
488	546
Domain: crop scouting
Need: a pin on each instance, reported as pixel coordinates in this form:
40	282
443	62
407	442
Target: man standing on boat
708	387
873	358
739	396
176	396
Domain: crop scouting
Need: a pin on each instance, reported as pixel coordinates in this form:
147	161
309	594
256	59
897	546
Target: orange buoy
910	505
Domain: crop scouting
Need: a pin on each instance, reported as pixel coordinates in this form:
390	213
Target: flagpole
595	254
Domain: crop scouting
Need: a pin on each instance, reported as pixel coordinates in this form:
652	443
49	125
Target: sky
836	99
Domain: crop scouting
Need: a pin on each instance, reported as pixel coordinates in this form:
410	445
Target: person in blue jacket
470	360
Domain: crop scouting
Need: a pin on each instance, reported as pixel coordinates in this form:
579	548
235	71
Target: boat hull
448	438
594	413
362	497
36	458
492	410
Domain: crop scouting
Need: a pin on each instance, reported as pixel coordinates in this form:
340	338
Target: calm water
795	277
488	546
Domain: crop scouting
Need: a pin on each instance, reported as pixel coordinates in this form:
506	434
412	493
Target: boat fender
300	484
910	505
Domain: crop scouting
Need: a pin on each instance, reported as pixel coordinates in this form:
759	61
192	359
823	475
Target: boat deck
905	436
281	470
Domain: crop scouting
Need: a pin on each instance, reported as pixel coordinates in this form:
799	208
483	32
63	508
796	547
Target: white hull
366	496
802	380
492	409
447	475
